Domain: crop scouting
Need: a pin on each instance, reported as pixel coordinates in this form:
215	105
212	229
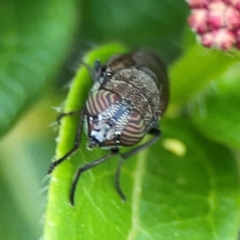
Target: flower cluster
217	22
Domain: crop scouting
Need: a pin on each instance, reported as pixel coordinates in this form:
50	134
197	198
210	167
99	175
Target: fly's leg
156	135
85	168
62	115
76	145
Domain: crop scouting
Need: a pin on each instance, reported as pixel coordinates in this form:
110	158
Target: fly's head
112	121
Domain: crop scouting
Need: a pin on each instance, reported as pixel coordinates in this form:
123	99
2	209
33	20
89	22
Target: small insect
129	96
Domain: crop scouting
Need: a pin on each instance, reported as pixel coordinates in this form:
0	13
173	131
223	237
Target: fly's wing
148	59
149	62
120	61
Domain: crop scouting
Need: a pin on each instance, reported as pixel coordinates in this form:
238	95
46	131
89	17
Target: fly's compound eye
134	131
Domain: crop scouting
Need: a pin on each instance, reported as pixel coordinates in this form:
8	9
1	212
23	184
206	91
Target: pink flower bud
198	20
197	3
232	18
216	17
223	39
238	39
207	40
234	3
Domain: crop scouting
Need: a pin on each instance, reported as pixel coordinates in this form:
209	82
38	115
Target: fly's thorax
138	87
112	120
150	63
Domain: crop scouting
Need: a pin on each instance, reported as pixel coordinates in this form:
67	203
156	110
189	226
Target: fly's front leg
62	115
75	146
96	72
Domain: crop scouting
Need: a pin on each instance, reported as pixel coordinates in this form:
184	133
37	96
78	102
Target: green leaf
183	187
215	111
195	69
11	215
35	36
155	24
24	158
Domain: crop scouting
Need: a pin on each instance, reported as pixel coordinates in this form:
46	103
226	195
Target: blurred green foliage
195	196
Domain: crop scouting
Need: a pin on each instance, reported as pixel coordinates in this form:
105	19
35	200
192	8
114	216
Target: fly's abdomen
99	101
134	131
